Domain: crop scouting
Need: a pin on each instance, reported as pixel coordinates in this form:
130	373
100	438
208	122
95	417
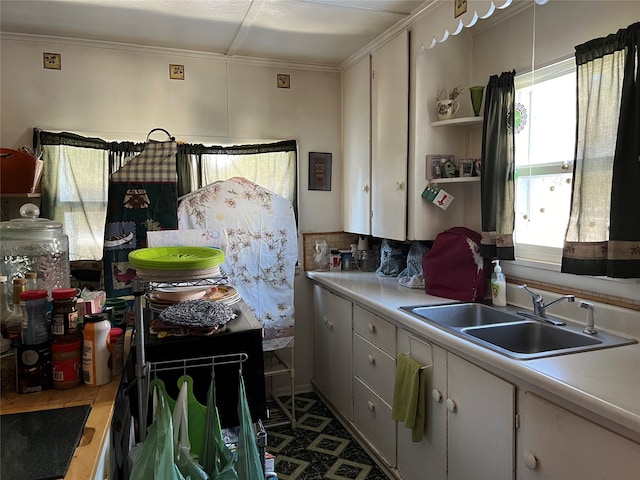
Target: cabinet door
481	413
559	444
372	417
356	119
427	459
389	131
332	349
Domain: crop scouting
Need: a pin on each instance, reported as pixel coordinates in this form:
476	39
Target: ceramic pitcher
447	109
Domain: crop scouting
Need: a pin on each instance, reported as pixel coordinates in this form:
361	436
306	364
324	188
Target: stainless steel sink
462	314
513	333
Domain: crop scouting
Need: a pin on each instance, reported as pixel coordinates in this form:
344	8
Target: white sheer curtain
75	181
275	171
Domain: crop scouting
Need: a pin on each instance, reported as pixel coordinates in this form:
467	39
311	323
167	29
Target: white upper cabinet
389	134
356	116
376	127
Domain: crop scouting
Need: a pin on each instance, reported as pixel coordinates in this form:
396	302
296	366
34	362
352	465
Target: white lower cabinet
332	349
557	444
374	362
470	430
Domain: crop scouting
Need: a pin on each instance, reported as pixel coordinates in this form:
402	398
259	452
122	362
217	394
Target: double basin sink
512	333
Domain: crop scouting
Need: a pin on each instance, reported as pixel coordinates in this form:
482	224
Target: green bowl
176	258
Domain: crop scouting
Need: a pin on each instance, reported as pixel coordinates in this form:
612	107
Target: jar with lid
67	364
35	326
95	349
64	315
32	280
32	244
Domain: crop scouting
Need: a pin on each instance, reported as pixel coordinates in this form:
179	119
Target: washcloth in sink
409	397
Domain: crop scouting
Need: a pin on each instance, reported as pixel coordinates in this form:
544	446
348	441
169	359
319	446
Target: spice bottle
14	322
35	326
32	280
64	315
5	310
95	349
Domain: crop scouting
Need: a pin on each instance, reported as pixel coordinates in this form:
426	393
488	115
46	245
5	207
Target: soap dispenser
498	286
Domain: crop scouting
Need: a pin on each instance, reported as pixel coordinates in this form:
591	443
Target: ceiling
323	32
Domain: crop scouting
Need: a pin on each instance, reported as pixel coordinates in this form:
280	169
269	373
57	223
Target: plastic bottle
498	286
95	349
35	326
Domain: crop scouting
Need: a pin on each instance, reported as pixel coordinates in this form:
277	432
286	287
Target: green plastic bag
248	463
181	444
217	459
156	458
197	417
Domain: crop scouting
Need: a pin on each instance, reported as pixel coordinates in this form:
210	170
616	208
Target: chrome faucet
539	307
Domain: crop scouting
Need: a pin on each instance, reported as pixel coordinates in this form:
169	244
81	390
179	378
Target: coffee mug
447	109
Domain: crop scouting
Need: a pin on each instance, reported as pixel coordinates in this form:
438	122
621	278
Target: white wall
118	92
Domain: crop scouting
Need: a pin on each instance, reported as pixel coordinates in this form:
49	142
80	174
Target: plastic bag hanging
217	460
248	464
197	416
182	447
156	458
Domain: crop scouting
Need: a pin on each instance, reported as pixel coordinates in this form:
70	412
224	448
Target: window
544	152
76	178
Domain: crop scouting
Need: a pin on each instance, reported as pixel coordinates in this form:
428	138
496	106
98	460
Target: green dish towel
409	397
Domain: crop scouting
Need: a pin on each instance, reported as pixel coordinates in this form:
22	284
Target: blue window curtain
603	235
76	173
497	189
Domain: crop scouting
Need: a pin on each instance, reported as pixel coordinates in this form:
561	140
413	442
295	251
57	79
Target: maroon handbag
453	268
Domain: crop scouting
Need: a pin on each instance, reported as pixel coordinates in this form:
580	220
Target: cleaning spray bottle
498	286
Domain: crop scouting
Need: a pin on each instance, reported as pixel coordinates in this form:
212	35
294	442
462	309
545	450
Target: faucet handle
537	298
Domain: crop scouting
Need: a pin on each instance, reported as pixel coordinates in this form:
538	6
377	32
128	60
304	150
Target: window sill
600	287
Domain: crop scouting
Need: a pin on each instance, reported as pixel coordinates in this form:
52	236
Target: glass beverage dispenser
35	244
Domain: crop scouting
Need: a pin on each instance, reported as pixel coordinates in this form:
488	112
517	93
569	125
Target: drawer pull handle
451	405
436	395
371	406
329	324
371	359
372	328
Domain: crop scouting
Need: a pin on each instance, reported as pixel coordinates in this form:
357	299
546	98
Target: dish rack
139	289
144	369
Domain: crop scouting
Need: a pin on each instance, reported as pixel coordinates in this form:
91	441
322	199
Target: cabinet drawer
378	331
374	367
372	418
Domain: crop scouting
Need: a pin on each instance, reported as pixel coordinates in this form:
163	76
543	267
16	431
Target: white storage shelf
459	122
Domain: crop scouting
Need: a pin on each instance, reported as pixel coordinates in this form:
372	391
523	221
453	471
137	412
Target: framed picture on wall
435	164
459	7
319	171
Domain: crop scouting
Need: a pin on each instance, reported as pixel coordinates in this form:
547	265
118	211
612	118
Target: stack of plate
176	264
225	294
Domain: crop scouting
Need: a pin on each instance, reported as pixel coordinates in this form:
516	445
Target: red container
19	172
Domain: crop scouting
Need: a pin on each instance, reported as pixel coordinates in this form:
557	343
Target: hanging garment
142	196
261	251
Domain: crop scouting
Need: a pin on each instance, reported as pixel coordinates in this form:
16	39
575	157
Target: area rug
319	447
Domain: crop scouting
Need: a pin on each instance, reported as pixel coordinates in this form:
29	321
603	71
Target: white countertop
603	385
